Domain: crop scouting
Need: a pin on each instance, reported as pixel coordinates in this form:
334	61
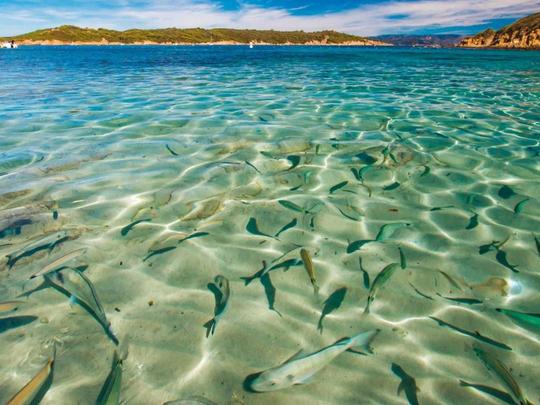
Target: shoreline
221	43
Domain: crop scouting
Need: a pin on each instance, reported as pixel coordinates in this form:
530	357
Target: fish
47	243
110	391
76	285
475	334
521	318
222	293
295	160
290	225
193	236
286	264
252	228
488	247
204	209
501	395
170	150
126	229
158	252
402	259
14	228
520	205
380	280
366	158
407	384
54	265
247	162
441	208
392	186
451	280
338	186
332	303
301	368
308	264
499	370
8	306
420	293
506	192
36	388
270	292
364	272
501	258
473	222
386	231
353	215
468	301
292	206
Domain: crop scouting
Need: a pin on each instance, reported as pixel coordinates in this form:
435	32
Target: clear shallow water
111	135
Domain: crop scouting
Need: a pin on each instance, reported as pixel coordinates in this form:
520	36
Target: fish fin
400	388
356	352
363	340
210	327
305	380
247	280
72	300
295	356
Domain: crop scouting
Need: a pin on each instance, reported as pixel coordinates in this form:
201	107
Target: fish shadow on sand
270	292
44	388
332	303
218	297
13	322
494	392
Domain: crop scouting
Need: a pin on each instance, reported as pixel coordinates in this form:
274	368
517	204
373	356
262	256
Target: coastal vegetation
71	34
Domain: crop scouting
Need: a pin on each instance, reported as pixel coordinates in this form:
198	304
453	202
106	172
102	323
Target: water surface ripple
172	165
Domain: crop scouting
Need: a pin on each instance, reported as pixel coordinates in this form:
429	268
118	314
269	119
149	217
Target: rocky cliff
524	33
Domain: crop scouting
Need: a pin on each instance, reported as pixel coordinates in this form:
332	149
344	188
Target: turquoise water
198	148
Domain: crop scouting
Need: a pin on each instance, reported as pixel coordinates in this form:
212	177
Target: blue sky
361	17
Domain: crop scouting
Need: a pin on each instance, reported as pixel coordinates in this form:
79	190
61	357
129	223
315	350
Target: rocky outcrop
523	34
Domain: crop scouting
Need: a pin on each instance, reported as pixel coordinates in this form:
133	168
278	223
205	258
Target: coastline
219	43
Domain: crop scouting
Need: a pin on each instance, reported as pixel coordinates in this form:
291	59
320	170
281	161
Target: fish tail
247	280
210	327
363	340
366	309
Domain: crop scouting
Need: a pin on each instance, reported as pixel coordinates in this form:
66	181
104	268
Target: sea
176	222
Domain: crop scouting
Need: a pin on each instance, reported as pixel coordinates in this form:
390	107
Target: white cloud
364	20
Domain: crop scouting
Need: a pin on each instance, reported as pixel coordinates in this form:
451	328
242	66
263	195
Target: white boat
251	45
9	45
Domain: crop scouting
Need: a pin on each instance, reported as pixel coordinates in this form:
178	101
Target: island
522	34
72	35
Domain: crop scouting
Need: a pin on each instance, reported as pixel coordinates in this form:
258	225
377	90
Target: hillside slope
524	33
68	34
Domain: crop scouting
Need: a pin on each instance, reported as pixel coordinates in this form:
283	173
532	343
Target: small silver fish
59	262
500	371
76	285
301	368
222	299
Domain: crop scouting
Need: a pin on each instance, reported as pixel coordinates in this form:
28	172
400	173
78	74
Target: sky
360	17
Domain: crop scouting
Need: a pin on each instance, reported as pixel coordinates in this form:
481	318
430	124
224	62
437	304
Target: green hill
72	34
